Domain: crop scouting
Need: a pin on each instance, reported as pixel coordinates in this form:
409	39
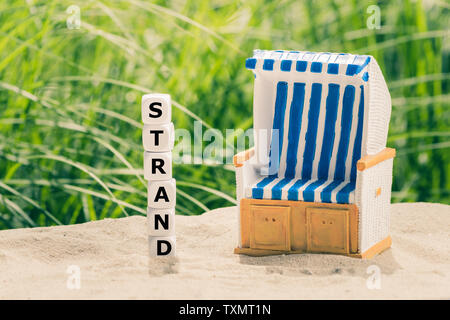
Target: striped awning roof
314	62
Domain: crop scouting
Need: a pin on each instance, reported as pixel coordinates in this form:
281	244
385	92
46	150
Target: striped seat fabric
318	112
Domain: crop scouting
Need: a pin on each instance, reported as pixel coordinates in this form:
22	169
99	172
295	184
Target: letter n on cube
161	222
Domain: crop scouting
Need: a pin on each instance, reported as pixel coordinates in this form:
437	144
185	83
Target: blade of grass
30	201
16	209
207	189
81	167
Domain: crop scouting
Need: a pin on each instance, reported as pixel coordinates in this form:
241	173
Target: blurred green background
70	131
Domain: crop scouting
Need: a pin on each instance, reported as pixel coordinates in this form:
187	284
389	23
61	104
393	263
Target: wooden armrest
371	160
241	157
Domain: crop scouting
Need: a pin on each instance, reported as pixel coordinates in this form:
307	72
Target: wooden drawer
270	228
298	226
328	230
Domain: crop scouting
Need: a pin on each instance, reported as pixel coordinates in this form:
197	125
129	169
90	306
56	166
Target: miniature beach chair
320	179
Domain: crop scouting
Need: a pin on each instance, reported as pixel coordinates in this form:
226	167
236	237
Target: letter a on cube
162	194
158	138
156	108
161	222
157	166
162	246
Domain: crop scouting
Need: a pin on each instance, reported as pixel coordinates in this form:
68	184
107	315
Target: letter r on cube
157	166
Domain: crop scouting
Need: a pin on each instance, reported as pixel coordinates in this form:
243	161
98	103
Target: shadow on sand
323	264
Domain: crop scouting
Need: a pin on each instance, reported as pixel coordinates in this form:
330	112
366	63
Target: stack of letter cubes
158	138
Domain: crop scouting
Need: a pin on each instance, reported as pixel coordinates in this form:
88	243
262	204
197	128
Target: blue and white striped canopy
319	123
314	62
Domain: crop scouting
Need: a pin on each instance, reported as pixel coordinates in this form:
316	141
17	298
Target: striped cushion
329	191
320	128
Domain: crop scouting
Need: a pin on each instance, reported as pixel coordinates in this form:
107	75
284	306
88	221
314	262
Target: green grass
70	132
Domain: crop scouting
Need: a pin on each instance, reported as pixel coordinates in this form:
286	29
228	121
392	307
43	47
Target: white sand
112	256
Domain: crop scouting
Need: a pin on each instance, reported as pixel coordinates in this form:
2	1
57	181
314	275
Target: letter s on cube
162	194
156	108
158	138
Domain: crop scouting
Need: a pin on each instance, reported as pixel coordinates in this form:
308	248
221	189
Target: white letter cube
156	108
162	194
157	165
161	222
158	138
160	246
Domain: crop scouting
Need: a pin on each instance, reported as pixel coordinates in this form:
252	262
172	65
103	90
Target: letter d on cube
162	246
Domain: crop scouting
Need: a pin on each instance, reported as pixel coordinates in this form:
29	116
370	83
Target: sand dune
112	257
